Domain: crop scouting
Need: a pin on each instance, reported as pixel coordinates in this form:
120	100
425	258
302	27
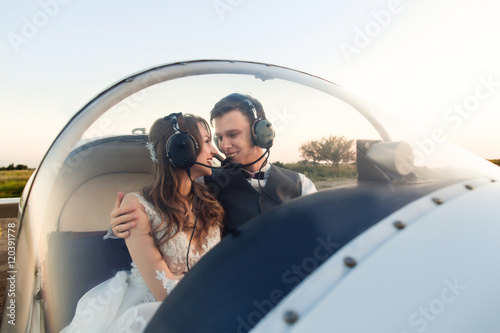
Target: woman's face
207	152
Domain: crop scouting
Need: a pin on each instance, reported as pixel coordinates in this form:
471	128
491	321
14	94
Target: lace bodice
175	249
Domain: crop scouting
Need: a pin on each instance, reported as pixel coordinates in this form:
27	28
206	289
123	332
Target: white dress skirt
124	303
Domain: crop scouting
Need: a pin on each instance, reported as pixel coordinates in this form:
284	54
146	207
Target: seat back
89	206
78	258
77	262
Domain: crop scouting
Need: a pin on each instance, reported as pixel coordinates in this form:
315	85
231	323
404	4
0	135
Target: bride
178	221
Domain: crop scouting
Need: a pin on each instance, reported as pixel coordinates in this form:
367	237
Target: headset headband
173	119
253	108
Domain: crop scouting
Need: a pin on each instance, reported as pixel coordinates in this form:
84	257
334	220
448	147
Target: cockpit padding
85	188
89	206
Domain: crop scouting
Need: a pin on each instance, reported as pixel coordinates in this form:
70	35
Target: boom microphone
237	165
225	162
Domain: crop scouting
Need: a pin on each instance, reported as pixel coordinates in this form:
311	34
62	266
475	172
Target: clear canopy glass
101	150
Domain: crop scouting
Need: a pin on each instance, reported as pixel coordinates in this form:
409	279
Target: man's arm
122	219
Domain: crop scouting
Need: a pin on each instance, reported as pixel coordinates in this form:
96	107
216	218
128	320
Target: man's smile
232	155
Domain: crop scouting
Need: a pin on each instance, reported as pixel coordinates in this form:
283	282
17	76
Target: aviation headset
262	129
181	150
181	146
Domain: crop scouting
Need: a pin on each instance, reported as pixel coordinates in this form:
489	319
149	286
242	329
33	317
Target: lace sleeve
153	215
145	252
168	284
151	212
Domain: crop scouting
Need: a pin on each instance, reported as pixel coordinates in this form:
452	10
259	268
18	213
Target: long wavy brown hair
164	193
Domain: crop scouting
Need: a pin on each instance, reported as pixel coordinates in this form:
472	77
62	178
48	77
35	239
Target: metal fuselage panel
437	274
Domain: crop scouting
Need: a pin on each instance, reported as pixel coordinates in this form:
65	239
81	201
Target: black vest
242	202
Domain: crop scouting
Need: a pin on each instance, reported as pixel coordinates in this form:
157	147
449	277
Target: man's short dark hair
239	102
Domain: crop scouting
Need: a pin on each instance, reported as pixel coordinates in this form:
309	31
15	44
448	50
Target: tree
279	164
12	167
310	151
333	150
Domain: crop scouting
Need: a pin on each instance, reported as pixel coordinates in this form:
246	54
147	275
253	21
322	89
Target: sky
433	63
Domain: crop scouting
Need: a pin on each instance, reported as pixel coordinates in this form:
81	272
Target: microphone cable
195	217
258	180
252	163
225	164
241	166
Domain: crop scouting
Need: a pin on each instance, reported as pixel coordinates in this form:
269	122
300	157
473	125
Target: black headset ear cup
263	133
181	150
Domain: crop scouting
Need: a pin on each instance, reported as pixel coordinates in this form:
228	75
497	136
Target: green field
318	172
12	182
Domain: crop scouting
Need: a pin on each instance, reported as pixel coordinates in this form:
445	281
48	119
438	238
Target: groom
249	186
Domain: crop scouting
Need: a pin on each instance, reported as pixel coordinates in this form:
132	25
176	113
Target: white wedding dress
124	302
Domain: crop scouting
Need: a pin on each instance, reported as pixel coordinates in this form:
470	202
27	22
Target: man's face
232	129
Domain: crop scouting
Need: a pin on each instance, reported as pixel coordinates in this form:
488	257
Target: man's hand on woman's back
122	219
